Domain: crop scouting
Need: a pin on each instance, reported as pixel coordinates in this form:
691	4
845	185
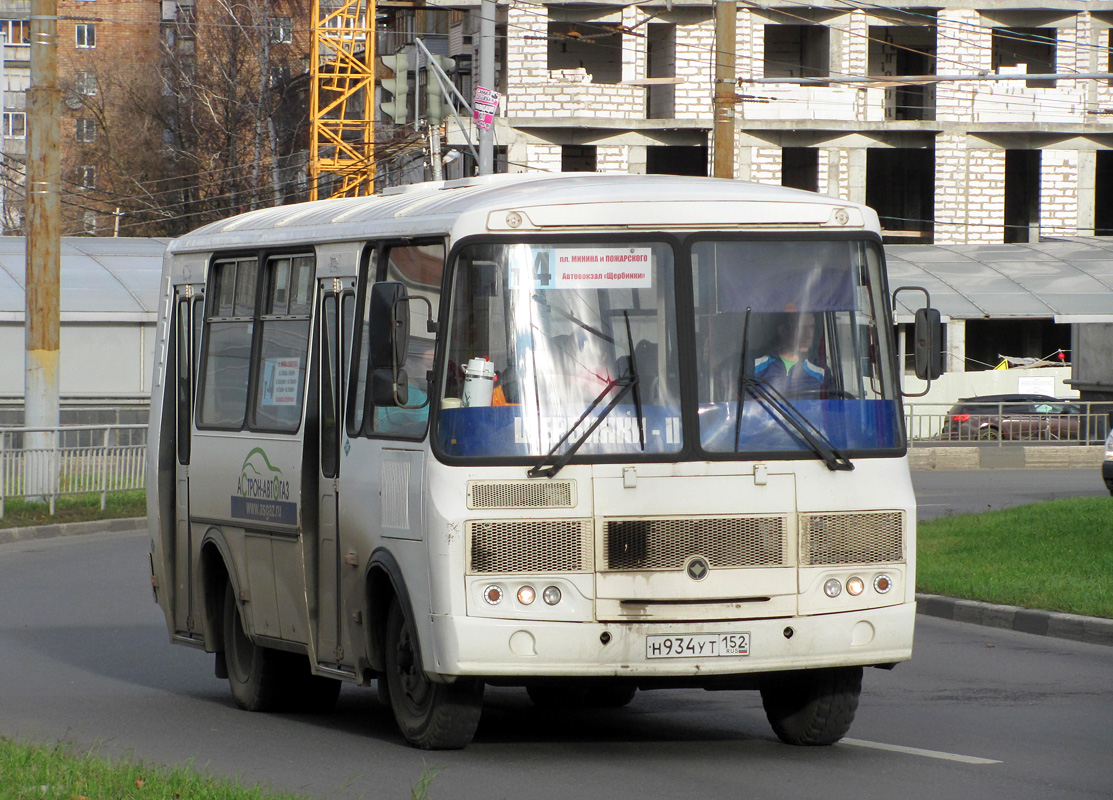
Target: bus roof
536	202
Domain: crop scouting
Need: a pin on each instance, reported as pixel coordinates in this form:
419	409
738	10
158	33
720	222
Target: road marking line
916	751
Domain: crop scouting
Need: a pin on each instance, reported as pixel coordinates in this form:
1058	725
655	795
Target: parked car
1022	417
1107	464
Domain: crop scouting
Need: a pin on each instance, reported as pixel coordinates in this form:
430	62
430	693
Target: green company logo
260	479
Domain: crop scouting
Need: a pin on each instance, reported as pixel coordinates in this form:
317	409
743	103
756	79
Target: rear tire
432	716
263	679
812	707
255	674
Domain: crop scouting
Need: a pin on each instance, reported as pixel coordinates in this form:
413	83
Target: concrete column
856	158
1087	189
956	346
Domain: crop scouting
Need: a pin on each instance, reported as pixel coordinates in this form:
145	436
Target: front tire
812	707
432	716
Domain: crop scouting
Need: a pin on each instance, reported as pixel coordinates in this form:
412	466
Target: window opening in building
896	51
86	35
800	168
282	30
797	51
676	160
900	186
1034	48
86	83
87	177
989	340
660	99
15	125
15	31
1103	194
578	158
1022	196
86	130
595	47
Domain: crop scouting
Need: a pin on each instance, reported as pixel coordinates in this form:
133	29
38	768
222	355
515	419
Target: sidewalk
1092	630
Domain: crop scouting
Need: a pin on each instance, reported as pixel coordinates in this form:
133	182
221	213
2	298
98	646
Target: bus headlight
855	586
526	595
493	595
551	595
832	588
882	584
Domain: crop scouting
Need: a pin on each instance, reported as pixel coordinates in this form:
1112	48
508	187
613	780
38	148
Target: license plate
703	645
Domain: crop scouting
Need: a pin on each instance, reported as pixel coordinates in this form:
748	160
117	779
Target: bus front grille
521	494
667	544
867	538
535	546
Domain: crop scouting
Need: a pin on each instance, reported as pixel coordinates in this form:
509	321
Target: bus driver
787	369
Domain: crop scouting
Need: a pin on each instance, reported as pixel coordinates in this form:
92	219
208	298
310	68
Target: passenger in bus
788	367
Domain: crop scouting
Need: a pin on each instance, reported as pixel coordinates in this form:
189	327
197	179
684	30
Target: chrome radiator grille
521	494
665	544
851	538
537	546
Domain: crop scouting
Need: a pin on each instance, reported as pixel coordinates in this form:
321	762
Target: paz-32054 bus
583	434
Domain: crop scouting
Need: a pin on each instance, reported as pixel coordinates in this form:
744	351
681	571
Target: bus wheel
432	716
254	673
812	707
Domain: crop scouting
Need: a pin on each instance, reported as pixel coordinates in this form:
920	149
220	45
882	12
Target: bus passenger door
188	316
336	311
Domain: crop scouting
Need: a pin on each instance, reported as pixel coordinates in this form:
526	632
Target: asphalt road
941	493
978	712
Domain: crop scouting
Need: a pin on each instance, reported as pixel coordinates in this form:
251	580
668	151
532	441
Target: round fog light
551	595
526	595
832	588
493	595
855	586
882	584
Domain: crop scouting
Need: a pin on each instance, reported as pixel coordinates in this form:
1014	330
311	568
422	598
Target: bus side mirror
390	325
388	340
928	352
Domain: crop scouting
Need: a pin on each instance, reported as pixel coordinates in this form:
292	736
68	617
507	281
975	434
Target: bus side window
357	401
284	335
419	267
227	352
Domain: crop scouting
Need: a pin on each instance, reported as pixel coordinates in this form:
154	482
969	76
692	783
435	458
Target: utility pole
487	81
726	23
40	396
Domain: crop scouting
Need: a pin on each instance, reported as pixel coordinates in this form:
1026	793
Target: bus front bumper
511	648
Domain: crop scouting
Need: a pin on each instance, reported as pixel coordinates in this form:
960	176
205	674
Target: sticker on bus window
281	381
602	268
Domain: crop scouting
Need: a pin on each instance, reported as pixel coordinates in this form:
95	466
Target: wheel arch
383	582
217	571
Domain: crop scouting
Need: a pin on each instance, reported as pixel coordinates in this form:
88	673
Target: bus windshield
561	350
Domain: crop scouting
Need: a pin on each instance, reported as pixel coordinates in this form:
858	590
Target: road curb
33	532
1092	630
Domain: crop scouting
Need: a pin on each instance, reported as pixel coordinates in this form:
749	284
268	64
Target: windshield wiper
627	383
812	436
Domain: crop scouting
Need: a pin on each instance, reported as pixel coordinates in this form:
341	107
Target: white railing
1004	423
45	463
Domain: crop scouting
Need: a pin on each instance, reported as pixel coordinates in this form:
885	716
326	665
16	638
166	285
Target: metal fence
46	463
1004	423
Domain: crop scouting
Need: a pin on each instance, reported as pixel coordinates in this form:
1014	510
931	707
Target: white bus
538	431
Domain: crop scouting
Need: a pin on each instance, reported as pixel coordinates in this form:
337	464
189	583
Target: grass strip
39	772
74	508
1055	556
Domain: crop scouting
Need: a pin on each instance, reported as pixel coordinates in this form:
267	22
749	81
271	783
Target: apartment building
966	149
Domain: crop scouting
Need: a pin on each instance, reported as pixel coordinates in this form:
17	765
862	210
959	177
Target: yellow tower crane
342	99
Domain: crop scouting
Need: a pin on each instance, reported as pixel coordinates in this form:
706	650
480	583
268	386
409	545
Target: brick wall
1059	193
